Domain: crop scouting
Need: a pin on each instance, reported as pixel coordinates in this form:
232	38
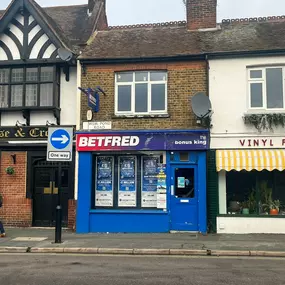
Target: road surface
35	269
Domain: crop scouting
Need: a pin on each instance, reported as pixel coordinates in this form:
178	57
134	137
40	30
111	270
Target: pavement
39	240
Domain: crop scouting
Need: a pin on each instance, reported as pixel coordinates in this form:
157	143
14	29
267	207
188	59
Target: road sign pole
58	218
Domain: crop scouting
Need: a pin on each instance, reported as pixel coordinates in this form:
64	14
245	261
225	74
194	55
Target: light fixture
19	124
49	123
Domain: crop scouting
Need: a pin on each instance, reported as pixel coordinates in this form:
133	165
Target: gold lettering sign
20	133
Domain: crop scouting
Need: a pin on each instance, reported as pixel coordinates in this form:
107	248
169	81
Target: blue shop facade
142	181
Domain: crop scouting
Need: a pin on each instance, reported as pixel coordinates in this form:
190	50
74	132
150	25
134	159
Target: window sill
45	108
126	211
157	116
251	216
264	111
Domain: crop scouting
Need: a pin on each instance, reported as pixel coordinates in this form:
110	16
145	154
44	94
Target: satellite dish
201	105
64	54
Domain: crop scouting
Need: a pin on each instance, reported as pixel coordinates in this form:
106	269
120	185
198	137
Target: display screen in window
127	196
149	181
104	181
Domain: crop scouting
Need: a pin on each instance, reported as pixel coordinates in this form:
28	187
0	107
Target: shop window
141	93
126	181
266	90
254	192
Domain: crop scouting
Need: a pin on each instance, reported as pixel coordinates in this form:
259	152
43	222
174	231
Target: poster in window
127	182
161	186
104	181
149	181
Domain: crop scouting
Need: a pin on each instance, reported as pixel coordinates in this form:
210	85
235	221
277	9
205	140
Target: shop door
46	193
184	198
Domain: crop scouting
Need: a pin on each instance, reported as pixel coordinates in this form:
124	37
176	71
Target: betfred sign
142	141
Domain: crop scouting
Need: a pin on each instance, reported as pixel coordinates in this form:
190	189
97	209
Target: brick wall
185	79
71	214
16	210
201	14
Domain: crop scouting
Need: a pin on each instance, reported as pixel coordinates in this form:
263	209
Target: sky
130	12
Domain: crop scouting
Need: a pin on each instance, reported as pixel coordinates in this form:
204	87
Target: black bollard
58	224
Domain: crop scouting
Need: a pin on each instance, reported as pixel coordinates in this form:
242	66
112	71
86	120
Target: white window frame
133	83
264	87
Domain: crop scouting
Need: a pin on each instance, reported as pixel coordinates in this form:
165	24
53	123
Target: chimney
201	14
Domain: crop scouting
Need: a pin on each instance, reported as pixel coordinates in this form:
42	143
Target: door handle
172	190
48	190
55	189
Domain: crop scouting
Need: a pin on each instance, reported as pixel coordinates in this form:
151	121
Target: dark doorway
45	191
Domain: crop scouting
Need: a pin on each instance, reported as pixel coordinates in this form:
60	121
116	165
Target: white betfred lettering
100	140
108	140
116	141
134	141
125	141
92	141
83	141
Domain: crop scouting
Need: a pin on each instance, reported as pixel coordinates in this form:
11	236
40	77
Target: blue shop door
184	198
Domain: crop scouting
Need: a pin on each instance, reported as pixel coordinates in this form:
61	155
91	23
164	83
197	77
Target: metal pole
58	217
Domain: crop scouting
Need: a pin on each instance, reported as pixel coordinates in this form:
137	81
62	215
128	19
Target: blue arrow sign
60	139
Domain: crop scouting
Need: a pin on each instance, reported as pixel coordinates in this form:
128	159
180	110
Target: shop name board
247	142
23	133
143	141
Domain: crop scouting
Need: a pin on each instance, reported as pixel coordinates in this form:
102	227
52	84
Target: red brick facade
17	209
72	214
185	79
201	14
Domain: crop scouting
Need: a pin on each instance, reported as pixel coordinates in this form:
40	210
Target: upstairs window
28	87
266	88
141	93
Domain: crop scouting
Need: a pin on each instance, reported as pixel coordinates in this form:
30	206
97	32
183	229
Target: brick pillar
17	209
72	214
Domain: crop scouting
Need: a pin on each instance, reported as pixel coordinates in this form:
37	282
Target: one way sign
60	142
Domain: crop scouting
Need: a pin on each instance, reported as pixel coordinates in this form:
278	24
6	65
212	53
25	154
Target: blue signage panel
60	139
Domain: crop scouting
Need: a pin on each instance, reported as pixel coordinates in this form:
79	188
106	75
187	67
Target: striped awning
250	159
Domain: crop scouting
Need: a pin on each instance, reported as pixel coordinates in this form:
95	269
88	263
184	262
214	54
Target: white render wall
229	97
240	225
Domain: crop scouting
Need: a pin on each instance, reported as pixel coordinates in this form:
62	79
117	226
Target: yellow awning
250	159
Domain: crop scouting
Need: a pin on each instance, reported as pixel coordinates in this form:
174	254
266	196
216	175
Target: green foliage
10	170
265	121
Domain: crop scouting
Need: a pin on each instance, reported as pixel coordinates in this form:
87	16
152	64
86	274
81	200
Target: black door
45	198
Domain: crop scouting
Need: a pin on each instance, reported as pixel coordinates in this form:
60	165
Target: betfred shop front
142	181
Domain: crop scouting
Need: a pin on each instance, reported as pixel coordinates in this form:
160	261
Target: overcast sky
127	12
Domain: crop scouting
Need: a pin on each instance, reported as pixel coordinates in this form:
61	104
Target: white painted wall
240	225
68	98
229	97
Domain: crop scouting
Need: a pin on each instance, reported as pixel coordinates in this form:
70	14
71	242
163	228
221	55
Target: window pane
4	75
124	98
157	97
256	95
125	77
47	73
255	74
17	95
17	75
157	76
274	88
3	96
31	95
46	94
32	74
141	97
141	76
184	183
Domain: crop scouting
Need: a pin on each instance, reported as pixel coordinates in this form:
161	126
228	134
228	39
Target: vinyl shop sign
142	141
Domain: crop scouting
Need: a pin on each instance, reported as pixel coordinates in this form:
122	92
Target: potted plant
245	207
252	202
10	170
275	207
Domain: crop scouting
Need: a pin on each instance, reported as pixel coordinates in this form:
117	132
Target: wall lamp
19	124
49	123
